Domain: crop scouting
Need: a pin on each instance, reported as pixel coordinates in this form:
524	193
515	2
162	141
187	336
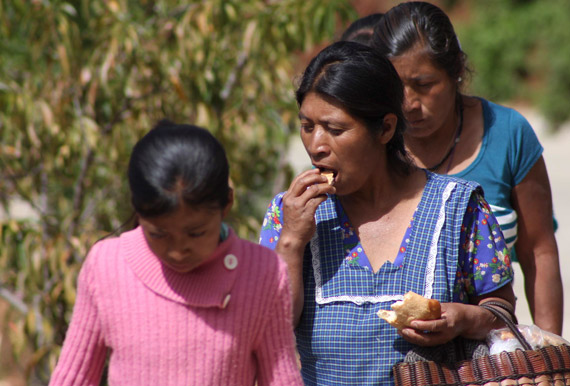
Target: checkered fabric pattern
340	338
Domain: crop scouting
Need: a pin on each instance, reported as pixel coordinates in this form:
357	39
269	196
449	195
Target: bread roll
329	176
413	307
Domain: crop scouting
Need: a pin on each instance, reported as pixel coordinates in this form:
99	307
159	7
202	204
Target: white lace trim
430	268
359	300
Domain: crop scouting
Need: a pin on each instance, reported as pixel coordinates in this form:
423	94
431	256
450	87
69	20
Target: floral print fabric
484	262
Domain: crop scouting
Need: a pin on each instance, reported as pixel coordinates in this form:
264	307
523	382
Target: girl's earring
459	80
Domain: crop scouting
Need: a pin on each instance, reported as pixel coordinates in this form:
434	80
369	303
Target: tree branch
13	300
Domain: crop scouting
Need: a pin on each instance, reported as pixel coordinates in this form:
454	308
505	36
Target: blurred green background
81	81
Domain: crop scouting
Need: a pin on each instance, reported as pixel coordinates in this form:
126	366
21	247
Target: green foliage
82	80
521	49
554	57
496	43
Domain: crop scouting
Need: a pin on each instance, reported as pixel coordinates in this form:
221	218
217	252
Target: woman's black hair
410	23
361	30
174	164
366	85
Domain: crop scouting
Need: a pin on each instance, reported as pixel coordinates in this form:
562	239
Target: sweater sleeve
276	357
84	353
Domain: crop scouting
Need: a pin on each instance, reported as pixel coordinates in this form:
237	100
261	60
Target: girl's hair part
174	164
366	85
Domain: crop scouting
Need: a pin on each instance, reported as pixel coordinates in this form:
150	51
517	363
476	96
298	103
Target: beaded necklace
457	137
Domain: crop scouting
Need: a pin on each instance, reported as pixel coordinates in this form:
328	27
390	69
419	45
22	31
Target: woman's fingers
428	332
437	331
423	338
317	191
307	179
303	207
307	191
436	325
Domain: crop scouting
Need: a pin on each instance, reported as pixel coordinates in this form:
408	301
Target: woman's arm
487	321
537	250
296	226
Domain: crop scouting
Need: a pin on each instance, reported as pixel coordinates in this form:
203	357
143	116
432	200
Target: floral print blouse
484	262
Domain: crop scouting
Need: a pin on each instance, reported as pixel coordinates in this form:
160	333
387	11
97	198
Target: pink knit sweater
228	322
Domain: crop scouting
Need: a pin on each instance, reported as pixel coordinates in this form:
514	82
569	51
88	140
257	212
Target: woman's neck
434	152
383	194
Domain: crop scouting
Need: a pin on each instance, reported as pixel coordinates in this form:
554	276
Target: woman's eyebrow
422	77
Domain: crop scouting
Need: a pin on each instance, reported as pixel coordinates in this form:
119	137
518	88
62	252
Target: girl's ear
389	123
230	203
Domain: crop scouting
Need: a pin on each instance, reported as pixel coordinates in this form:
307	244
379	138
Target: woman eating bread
382	228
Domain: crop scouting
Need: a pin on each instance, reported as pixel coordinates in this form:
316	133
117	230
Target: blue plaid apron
340	338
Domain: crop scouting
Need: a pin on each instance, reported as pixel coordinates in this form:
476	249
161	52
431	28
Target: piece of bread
329	176
413	307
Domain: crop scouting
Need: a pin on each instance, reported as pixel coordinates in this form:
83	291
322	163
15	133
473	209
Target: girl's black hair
174	164
410	23
366	85
361	30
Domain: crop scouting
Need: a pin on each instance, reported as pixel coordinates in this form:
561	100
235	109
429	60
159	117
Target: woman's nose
411	100
317	144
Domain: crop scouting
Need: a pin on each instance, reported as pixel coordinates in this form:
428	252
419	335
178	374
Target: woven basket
544	366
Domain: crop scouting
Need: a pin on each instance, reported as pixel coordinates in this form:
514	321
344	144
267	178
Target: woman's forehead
416	65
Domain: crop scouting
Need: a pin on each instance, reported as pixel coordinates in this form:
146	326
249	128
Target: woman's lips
415	122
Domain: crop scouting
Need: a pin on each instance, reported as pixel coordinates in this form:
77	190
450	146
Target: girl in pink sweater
180	300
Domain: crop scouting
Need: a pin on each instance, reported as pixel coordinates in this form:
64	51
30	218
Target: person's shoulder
251	246
258	259
108	249
102	254
255	253
504	114
454	191
444	181
103	248
494	106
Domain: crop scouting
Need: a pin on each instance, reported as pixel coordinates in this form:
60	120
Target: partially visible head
361	30
420	41
175	164
365	85
414	23
179	180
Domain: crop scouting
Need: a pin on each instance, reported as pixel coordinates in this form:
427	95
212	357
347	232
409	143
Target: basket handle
512	326
508	308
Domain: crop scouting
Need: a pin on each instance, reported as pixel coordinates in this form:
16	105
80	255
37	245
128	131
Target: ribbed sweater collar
205	286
